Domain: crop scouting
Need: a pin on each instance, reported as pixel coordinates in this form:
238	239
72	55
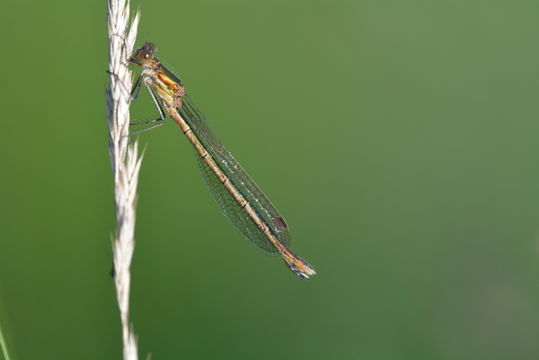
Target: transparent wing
240	179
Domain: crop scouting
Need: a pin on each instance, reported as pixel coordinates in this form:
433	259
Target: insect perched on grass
240	199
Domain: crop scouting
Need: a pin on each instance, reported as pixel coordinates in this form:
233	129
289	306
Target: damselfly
240	199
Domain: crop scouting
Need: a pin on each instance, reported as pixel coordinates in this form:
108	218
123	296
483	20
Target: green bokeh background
398	138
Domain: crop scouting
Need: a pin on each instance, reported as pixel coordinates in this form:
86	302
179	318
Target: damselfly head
143	56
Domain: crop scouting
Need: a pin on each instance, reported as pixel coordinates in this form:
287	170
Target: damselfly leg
156	122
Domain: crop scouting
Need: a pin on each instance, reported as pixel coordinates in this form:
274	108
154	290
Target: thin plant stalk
124	157
3	345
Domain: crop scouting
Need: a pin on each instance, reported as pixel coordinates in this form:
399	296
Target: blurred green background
398	138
